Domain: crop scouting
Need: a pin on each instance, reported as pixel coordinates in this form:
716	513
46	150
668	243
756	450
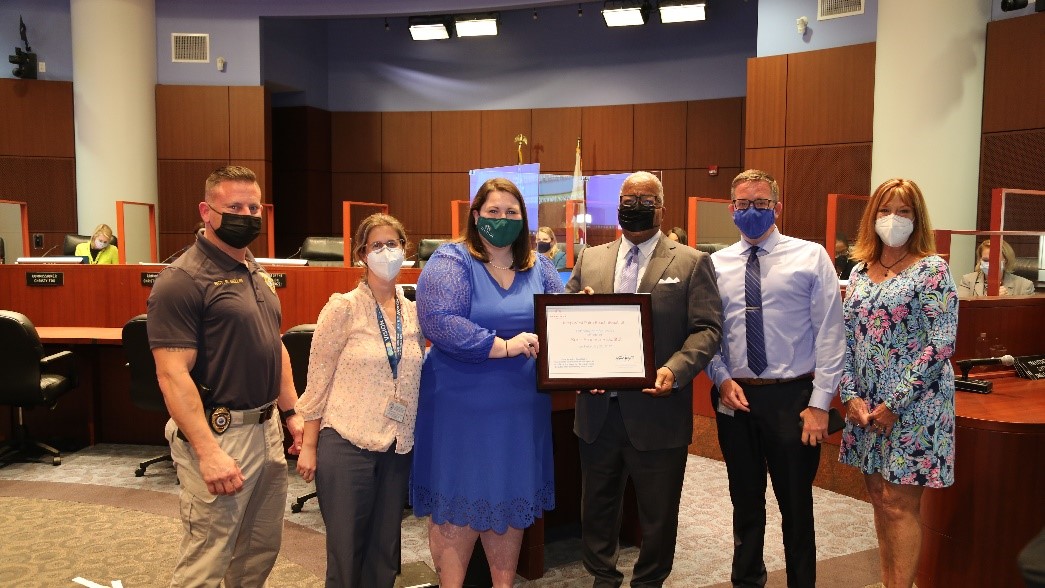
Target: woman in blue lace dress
901	315
483	453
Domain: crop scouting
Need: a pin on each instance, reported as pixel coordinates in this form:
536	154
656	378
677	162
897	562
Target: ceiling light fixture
680	11
476	25
625	13
428	28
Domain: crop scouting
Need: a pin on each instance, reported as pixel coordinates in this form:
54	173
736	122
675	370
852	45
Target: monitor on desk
63	259
280	261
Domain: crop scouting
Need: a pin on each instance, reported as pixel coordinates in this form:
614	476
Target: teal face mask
500	232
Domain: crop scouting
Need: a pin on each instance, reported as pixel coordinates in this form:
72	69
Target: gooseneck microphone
177	253
48	252
979	386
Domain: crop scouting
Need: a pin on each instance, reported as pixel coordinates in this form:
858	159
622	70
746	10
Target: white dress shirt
801	310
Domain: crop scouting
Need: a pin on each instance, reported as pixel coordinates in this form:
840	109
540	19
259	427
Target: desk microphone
979	386
177	253
293	255
46	253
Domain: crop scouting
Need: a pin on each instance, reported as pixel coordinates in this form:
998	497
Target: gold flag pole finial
520	140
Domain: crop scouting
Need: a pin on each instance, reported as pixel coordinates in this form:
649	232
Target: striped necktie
629	276
756	337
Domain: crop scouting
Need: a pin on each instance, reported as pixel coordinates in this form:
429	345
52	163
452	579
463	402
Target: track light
580	10
476	25
428	28
387	28
680	11
625	13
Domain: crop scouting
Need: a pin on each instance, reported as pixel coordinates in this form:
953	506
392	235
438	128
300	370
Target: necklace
890	266
507	269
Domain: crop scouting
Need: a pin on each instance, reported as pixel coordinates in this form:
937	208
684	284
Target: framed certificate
598	341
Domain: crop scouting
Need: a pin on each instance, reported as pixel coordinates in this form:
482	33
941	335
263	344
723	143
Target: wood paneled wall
37	161
809	120
198	129
417	162
1012	153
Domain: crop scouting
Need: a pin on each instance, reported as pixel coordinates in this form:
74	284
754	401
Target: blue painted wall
777	34
294	60
48	28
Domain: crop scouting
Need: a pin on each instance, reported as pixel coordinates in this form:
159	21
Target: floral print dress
899	339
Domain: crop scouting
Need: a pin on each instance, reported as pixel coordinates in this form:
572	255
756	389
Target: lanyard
393	355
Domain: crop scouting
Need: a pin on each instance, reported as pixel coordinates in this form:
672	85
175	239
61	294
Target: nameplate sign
280	280
149	278
1031	367
44	279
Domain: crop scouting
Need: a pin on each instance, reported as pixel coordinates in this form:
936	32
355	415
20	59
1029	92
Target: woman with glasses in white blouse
359	408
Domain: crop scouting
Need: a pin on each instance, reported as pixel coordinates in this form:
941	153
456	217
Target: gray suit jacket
687	328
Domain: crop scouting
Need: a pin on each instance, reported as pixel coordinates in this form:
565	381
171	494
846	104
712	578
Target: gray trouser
361	495
235	538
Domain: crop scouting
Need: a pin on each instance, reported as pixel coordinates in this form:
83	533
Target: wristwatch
286	414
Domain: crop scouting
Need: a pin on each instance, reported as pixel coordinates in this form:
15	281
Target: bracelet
287	413
506	348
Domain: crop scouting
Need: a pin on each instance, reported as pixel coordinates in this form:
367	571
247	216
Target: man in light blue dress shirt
775	374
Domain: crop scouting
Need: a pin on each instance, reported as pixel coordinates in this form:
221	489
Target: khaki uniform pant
235	538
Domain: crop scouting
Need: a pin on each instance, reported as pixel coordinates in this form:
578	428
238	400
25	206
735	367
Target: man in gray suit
643	434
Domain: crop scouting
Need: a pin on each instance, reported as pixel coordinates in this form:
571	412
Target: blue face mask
754	222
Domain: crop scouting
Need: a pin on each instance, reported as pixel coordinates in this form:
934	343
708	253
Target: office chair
298	341
145	388
71	241
30	379
3	256
324	251
426	248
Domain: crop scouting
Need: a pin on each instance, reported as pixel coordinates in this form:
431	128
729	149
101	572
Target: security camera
26	62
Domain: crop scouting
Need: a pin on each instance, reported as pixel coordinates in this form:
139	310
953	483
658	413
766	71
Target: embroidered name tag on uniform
395	410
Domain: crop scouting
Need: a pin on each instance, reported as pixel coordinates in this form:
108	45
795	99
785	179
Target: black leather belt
771	381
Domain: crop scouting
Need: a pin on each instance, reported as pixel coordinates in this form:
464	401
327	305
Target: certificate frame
634	308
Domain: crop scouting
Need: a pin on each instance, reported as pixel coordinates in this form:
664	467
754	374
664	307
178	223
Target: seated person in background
548	247
678	234
975	283
98	250
843	263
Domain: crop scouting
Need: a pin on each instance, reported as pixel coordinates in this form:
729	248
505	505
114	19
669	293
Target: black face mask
636	219
238	230
543	247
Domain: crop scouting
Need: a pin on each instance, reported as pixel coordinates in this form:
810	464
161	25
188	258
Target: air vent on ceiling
826	9
190	48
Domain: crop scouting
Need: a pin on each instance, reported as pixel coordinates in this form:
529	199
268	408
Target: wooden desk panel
109	295
974	530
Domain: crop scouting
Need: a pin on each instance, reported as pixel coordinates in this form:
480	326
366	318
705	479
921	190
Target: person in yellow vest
99	249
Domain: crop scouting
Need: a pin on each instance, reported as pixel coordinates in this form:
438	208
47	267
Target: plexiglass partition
136	231
353	213
14	230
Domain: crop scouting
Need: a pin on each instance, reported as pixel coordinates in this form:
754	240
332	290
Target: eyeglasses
382	245
643	200
760	203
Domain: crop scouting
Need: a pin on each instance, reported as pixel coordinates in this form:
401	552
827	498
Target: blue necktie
629	276
756	337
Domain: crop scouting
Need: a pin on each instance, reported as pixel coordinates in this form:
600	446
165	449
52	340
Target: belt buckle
220	419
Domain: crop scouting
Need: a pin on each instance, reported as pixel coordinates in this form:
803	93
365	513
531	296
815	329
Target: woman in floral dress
901	316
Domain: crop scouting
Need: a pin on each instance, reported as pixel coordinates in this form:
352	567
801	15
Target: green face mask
500	232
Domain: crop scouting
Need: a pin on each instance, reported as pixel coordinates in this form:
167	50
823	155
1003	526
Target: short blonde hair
229	173
104	230
1007	254
868	245
755	175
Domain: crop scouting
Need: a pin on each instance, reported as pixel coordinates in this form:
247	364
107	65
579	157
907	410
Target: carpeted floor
92	518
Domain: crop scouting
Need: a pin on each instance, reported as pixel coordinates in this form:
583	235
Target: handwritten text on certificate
595	341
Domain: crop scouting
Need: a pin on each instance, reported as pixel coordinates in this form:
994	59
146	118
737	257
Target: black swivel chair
324	251
71	241
426	248
30	379
3	256
145	388
298	341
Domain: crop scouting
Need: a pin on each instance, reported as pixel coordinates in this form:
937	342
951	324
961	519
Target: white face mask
894	230
984	266
99	244
385	264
